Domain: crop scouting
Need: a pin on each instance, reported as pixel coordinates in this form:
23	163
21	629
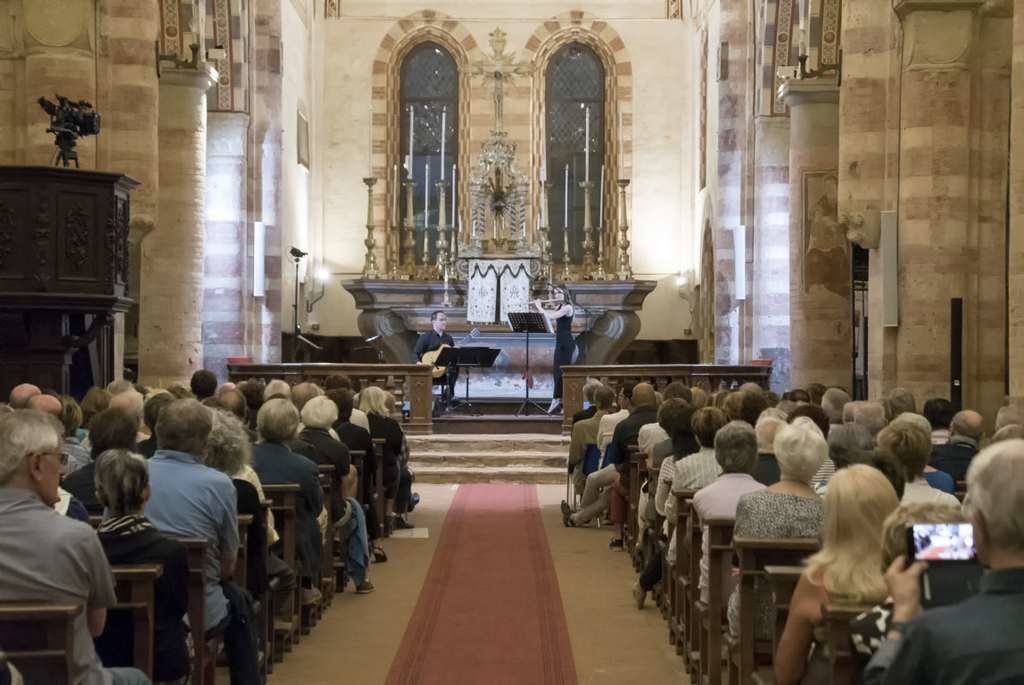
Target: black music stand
448	358
527	322
470	358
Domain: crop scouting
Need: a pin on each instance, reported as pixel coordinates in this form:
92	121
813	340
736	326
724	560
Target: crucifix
502	70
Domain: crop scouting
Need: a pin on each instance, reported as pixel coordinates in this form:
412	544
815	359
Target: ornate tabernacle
63	265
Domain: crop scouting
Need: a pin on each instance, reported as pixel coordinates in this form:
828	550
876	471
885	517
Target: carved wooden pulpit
63	266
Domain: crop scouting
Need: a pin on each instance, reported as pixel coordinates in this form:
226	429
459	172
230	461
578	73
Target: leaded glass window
574	82
429	86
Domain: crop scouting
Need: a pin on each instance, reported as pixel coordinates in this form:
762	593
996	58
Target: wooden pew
711	614
836	617
265	608
284	503
746	653
242	565
634	479
378	488
960	490
679	572
135	587
39	639
328	482
783	580
358	462
205	664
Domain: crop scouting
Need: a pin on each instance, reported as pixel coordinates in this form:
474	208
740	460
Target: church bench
205	661
39	639
746	653
634	480
378	489
242	564
836	617
135	587
711	614
328	482
284	502
783	579
414	379
688	544
241	578
678	572
709	376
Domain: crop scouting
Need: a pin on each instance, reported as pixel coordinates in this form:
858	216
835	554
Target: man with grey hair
978	640
833	402
133	403
902	400
1007	416
589	388
46	558
190	500
965	432
871	415
736	453
21	394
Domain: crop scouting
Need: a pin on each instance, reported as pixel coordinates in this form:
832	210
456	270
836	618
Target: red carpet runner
490	610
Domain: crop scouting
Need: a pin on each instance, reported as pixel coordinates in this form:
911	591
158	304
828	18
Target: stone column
937	251
1016	247
227	288
771	247
171	303
819	257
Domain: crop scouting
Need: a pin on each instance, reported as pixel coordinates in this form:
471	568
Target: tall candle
454	190
426	196
444	134
600	200
543	170
412	137
586	147
369	144
622	147
394	199
565	210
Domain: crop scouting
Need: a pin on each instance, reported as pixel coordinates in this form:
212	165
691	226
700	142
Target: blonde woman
849	566
374	401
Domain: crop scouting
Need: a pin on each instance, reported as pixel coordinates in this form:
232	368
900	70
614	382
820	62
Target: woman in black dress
558	309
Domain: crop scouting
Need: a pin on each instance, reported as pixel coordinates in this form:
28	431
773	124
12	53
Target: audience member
643	411
939	412
752	404
190	500
232	400
978	640
902	400
119	386
700	469
832	402
813	412
21	394
700	397
965	431
736	453
277	389
891	468
127	536
935	478
848	566
71	418
275	463
203	384
733	405
912	446
48	404
318	415
374	402
150	414
584	434
95	401
815	392
304	392
787	509
606	429
111	429
252	390
849	443
131	402
589	409
767	471
1006	416
1012	431
871	415
52	559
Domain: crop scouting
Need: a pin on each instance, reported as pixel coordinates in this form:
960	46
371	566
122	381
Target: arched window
429	87
574	83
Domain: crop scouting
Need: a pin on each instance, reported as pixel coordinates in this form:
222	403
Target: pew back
135	587
39	639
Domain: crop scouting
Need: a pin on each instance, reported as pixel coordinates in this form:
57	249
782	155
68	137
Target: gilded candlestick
442	230
545	233
408	232
370	267
624	271
588	227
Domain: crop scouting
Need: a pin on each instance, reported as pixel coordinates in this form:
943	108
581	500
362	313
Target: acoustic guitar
430	358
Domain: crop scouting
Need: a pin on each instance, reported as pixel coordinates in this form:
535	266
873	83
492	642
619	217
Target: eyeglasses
61	456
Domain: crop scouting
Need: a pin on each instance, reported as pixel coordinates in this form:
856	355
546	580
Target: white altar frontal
496	288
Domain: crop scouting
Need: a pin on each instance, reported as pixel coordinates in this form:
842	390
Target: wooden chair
39	639
747	654
135	587
711	614
783	580
679	573
836	617
378	488
284	503
205	664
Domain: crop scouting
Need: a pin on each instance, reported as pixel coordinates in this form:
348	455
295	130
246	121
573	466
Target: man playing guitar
431	341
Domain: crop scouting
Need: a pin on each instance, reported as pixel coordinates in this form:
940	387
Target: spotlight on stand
297	253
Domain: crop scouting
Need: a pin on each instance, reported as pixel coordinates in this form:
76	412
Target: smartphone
941	542
954	573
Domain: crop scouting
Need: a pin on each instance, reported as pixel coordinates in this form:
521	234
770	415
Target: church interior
614	340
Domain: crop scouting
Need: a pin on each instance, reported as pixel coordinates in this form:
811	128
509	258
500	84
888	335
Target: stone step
478	458
509	442
489	474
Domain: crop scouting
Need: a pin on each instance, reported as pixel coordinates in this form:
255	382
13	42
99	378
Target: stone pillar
171	303
227	288
1016	247
937	248
819	256
771	247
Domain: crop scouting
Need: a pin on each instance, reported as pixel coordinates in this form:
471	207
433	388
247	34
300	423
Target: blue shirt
189	499
941	480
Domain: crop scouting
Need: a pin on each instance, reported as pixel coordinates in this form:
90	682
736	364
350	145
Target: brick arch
553	34
404	35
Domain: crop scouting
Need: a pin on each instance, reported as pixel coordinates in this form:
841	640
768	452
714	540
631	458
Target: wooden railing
412	381
708	376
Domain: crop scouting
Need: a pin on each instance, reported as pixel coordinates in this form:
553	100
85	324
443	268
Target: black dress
564	347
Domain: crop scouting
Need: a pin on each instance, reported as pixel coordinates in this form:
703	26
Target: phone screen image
943	541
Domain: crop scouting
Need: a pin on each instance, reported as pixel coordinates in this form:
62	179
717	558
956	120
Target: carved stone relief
59	24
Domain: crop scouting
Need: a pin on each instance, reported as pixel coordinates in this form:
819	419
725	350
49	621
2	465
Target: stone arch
607	44
401	38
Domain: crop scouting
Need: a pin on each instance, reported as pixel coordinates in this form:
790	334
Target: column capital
809	91
907	7
202	77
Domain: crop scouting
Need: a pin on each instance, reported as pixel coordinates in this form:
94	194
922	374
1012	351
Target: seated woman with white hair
374	401
787	509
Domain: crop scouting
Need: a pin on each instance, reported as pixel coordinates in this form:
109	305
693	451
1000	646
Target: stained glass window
574	83
429	87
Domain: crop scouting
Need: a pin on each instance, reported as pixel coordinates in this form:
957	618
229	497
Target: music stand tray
468	359
527	322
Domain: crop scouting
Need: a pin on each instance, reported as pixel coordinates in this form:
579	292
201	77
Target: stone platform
489	458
